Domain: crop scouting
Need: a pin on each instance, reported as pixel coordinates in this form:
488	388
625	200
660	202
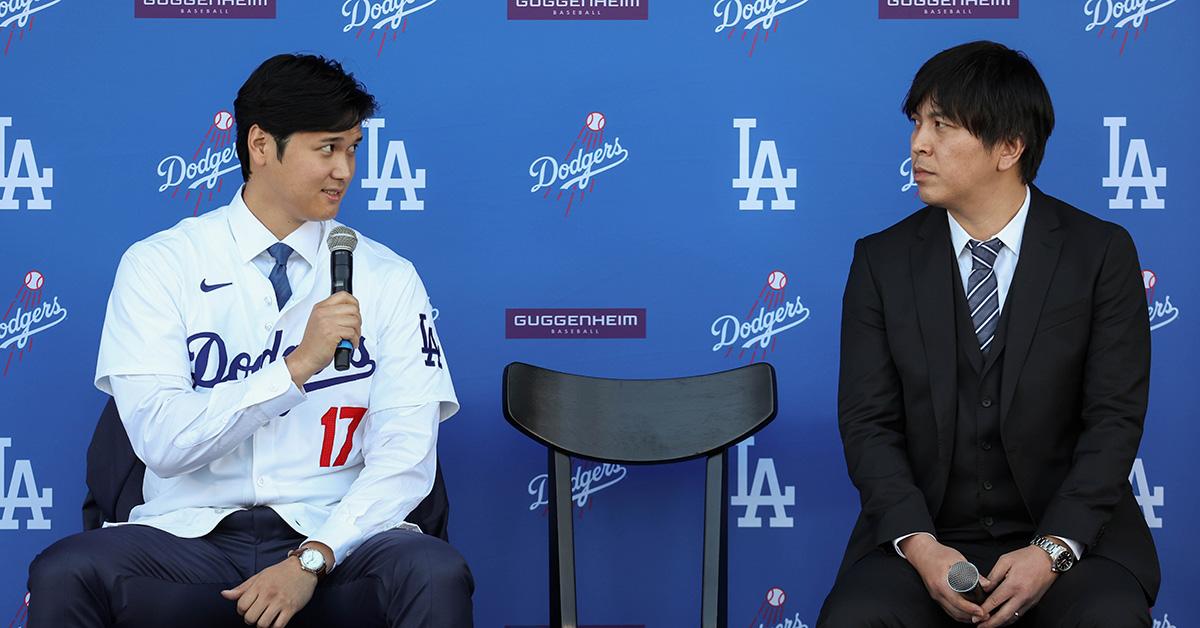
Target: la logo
11	178
766	158
1123	178
395	162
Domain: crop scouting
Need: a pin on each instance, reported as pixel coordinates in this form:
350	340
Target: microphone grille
342	239
963	576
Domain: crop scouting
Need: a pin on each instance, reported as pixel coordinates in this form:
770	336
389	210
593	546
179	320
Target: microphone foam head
963	576
342	239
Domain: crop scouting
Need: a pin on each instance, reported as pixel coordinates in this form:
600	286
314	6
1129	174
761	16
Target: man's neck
983	220
267	211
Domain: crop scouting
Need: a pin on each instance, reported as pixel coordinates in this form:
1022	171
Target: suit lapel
931	262
1040	248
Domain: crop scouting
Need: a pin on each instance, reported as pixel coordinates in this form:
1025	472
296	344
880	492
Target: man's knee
444	568
68	561
1105	612
849	607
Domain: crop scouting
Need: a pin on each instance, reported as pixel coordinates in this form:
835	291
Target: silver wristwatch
1061	558
311	560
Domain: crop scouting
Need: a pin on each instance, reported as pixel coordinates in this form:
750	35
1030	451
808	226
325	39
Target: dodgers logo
17	17
212	364
1137	155
202	172
767	157
764	492
758	16
1147	498
1162	312
36	180
589	155
22	481
396	172
28	314
771	613
1120	17
382	20
22	616
771	314
589	478
1164	622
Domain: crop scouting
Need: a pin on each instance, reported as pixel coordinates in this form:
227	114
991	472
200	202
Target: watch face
312	560
1064	561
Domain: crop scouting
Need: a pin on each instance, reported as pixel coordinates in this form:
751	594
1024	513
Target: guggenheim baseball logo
206	9
21	172
201	173
771	314
578	9
28	314
948	9
564	323
589	155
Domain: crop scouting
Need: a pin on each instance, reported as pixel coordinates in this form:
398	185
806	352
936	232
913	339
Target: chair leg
563	606
714	597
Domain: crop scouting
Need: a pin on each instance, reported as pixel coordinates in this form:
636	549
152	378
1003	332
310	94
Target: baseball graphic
595	121
777	280
776	596
34	280
223	120
1149	279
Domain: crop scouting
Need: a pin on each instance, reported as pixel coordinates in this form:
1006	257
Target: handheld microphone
342	241
963	578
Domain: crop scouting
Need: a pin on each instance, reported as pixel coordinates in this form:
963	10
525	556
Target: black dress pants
882	590
135	575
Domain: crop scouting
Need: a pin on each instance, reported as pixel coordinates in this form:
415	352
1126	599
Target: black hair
993	92
295	93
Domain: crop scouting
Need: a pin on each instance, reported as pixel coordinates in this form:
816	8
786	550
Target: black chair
638	422
115	474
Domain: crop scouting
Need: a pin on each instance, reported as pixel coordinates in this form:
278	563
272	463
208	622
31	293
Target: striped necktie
278	276
983	292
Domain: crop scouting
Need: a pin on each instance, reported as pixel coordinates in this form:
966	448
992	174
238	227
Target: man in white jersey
273	481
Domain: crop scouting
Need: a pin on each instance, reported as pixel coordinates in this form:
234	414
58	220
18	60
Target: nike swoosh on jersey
204	287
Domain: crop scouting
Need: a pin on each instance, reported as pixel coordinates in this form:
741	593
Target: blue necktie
278	276
983	292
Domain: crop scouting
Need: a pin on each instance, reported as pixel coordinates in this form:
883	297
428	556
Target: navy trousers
883	591
136	575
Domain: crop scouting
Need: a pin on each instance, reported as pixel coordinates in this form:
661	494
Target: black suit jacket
1073	387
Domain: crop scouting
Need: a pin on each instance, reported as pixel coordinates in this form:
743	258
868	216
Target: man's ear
1008	153
260	145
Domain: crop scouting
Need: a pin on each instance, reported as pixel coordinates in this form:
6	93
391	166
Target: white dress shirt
192	351
1004	268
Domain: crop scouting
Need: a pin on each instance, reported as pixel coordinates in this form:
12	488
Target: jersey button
261	481
267	326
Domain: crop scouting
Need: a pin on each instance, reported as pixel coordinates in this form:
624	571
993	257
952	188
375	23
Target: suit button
986	446
988	521
986	402
987	486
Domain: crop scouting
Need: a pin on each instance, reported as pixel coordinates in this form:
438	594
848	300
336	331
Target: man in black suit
994	374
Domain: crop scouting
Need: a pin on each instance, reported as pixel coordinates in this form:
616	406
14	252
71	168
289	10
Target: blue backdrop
111	129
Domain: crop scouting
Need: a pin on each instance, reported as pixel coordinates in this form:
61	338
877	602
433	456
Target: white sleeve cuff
1076	546
342	538
274	391
896	543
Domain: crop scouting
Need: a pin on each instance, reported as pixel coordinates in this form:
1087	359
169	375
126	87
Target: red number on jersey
350	413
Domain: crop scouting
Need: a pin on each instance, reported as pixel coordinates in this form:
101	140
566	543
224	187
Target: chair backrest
115	476
639	422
